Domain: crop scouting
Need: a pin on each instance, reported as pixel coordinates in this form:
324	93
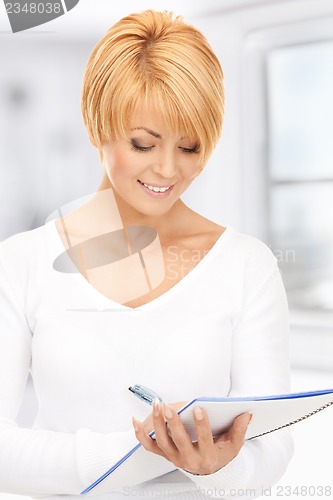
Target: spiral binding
295	421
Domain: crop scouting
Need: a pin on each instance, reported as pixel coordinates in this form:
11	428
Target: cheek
115	165
192	171
126	164
190	165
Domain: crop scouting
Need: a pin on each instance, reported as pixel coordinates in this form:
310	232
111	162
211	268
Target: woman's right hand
205	456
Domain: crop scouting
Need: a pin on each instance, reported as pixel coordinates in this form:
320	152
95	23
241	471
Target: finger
147	442
203	429
207	458
205	440
180	437
162	437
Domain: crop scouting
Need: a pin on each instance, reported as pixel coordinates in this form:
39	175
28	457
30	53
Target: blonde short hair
156	59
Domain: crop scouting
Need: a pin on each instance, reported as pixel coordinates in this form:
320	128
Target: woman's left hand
207	455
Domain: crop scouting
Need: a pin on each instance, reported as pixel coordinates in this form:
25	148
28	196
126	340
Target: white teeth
156	189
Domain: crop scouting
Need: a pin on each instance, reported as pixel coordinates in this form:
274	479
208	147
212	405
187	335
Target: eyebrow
151	132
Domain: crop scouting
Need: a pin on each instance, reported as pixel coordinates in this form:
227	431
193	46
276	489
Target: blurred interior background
270	176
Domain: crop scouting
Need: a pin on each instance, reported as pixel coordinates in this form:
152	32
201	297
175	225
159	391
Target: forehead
156	119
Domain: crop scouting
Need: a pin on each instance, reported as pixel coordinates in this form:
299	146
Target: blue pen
146	395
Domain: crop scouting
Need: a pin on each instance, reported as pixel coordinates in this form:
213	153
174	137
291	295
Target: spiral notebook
270	413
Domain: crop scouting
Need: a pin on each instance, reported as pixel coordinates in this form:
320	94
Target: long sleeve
260	366
40	461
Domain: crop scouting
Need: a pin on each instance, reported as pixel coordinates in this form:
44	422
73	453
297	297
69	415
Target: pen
146	395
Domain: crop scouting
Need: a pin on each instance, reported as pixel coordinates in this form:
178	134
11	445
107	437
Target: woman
203	309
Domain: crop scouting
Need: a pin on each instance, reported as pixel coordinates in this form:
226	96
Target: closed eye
136	147
195	149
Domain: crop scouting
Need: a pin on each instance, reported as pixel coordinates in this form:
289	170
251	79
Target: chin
153	208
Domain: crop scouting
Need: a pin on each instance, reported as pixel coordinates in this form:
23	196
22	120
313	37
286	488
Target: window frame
307	326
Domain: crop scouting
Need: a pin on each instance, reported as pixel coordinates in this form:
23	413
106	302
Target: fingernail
167	410
135	424
156	407
250	419
198	413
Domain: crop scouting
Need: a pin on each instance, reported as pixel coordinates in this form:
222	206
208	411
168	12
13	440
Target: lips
155	188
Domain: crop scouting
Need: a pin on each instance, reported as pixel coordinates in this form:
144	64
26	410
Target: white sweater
221	331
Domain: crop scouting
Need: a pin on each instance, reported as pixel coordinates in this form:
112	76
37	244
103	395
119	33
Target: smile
156	189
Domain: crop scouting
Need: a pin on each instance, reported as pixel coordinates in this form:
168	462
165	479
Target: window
300	170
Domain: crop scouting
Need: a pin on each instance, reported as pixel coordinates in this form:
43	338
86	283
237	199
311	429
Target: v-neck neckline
109	303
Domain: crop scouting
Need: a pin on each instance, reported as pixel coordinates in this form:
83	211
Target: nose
165	165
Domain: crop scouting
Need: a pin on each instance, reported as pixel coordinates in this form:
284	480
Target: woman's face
151	168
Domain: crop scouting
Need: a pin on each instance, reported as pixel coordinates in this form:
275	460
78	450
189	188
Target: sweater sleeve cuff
220	482
97	453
